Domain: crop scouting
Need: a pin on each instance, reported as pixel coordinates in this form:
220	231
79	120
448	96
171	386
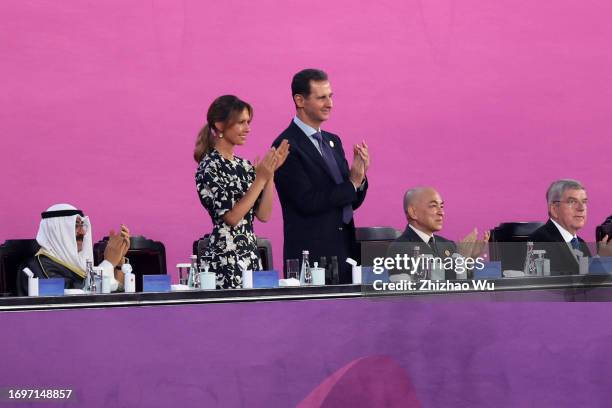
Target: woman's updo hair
225	109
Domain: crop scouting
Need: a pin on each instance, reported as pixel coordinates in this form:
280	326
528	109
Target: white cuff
109	270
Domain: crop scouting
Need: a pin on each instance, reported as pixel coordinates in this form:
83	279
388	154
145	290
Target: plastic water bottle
416	257
90	279
530	265
192	281
305	274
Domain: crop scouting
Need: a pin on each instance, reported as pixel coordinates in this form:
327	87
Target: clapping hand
125	234
117	246
361	162
281	153
265	168
605	246
361	151
471	246
480	245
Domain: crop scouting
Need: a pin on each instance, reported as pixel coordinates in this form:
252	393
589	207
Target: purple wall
489	101
434	351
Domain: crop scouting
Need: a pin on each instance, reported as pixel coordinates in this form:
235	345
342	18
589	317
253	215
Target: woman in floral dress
233	190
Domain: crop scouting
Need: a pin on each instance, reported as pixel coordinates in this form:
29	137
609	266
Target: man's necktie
575	243
330	161
432	245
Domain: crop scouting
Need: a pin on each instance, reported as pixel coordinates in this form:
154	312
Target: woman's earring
220	135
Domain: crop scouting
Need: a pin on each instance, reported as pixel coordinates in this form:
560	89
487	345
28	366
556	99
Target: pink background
488	101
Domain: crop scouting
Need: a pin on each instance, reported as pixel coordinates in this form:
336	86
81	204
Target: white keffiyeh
57	237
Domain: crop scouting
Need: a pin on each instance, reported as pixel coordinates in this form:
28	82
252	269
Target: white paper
247	279
179	288
513	274
74	292
28	272
32	286
356	275
351	261
288	282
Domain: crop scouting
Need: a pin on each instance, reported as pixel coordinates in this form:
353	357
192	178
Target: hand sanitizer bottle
129	280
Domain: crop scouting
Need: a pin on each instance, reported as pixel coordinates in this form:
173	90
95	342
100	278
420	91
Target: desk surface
561	288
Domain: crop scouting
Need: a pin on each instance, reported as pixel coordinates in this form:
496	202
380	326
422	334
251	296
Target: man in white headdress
66	246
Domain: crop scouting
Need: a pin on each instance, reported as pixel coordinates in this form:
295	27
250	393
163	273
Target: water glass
293	269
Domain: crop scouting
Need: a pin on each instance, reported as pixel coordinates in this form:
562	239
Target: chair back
147	257
376	234
13	253
374	242
507	243
264	250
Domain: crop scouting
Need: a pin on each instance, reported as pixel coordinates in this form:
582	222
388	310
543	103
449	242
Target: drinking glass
293	269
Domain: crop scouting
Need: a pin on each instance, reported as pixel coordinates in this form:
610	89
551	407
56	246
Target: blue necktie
575	243
330	161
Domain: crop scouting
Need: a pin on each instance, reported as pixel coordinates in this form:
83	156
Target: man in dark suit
424	209
318	191
567	211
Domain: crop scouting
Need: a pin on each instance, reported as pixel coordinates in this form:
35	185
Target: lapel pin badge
331	143
447	252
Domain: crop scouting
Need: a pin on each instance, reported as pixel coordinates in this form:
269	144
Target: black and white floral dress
221	183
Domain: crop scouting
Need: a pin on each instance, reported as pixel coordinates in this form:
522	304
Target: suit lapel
584	247
556	236
412	236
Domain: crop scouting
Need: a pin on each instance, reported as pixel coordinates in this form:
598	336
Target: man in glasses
567	211
65	238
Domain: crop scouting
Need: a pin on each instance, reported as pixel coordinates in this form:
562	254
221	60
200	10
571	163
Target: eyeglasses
80	225
573	203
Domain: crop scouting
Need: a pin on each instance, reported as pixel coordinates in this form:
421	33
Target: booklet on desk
265	279
368	276
156	283
490	270
51	287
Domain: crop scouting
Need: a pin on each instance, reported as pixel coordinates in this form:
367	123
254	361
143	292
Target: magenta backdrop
488	101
